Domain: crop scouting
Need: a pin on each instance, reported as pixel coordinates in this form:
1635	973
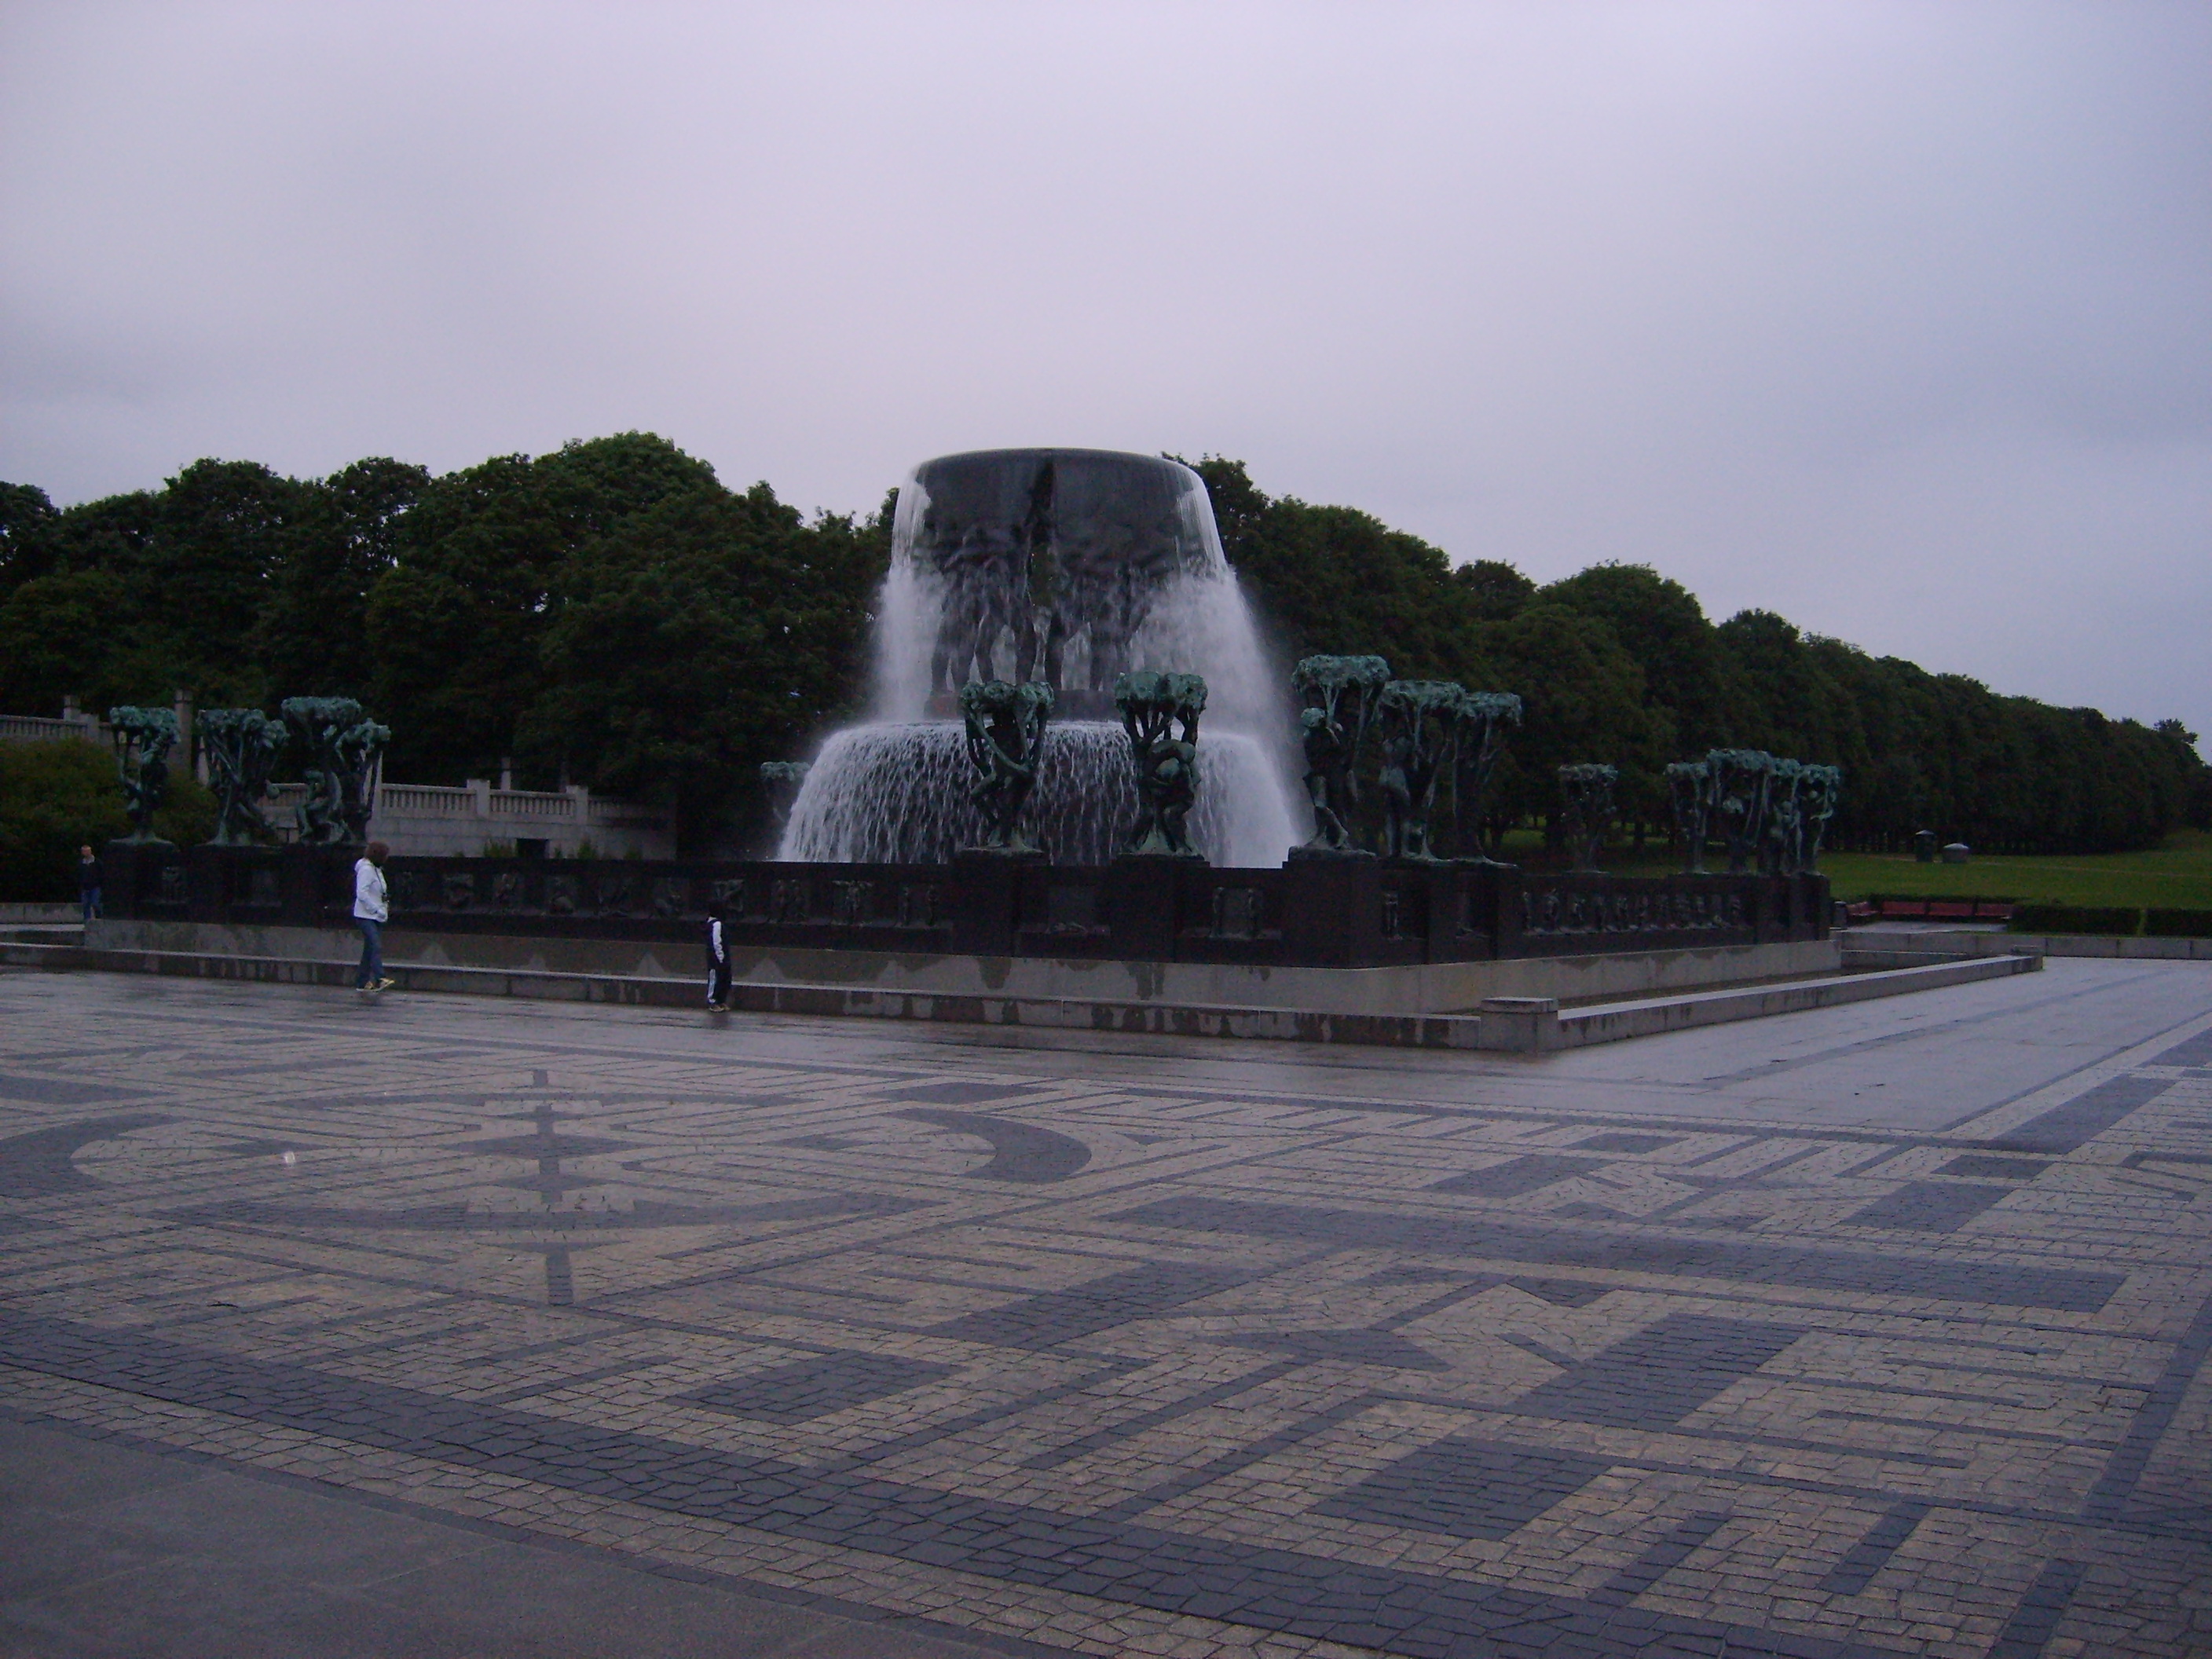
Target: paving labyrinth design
1110	1366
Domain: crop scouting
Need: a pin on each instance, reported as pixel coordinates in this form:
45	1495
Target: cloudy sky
1896	319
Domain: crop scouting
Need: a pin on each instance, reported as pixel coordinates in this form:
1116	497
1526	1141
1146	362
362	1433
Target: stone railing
32	728
436	819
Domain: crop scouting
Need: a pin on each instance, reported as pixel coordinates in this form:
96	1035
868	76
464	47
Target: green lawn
2178	876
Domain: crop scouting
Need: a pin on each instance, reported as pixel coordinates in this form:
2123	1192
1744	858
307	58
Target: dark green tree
698	639
1335	580
1660	624
25	514
456	629
312	636
1584	700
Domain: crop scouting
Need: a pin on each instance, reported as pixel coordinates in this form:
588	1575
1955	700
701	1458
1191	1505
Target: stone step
1524	1025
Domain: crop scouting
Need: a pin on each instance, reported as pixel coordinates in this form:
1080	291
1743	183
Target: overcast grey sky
1896	319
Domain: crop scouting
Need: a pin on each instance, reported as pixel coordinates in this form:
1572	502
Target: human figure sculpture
1340	692
1819	793
241	746
1005	743
1738	801
1778	853
1152	705
1328	776
342	749
143	738
1586	792
1421	728
1045	549
781	781
1484	717
1690	791
358	749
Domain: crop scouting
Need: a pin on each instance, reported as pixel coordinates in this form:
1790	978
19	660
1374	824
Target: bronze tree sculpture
1484	717
1340	694
143	738
1420	739
1778	842
1152	705
342	749
1819	793
241	746
1005	744
1689	790
1739	783
1586	792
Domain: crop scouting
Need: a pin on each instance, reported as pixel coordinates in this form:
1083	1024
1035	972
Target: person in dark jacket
718	958
88	881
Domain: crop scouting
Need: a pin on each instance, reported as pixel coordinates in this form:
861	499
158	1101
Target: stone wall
1310	913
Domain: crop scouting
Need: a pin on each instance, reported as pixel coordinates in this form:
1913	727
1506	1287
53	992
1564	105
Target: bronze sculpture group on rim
1770	812
342	748
1005	726
1428	735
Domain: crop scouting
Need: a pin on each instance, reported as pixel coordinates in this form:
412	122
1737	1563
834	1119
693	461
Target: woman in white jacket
370	913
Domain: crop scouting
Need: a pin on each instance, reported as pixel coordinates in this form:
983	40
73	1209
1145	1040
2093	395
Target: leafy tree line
609	614
1618	663
612	614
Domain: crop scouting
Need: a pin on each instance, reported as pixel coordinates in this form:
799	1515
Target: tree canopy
612	614
1619	663
608	613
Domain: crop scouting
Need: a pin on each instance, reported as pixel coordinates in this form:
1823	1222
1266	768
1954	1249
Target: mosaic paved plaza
1880	1330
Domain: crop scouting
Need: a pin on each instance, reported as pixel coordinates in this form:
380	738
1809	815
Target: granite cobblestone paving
1759	1341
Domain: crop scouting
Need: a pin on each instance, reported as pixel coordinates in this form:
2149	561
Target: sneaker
383	985
718	1007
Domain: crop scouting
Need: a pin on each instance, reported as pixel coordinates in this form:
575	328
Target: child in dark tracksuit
718	958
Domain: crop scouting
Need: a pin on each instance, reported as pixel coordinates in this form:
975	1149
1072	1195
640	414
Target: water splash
897	793
1093	561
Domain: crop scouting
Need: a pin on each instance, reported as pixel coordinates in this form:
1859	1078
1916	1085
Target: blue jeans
372	952
90	896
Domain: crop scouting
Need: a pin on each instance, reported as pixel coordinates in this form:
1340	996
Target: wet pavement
425	1325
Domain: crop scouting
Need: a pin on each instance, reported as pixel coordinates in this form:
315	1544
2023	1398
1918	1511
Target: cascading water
1070	566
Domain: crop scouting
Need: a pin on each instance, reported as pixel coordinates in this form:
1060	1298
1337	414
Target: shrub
2075	919
55	797
2178	924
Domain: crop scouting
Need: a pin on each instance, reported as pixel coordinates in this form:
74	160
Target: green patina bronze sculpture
1339	693
1586	792
1689	789
1152	705
1420	736
359	748
143	738
1777	848
1739	781
1770	812
1005	743
342	748
241	745
1819	791
1484	717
